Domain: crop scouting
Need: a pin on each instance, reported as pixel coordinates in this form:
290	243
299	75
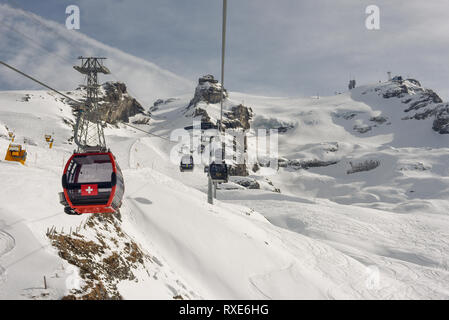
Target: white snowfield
378	234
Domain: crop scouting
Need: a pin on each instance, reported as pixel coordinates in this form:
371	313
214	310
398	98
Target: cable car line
219	172
41	83
92	180
76	101
149	133
62	58
223	50
80	194
69	62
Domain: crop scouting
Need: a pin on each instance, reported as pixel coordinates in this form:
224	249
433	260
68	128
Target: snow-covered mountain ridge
327	234
361	150
357	209
419	103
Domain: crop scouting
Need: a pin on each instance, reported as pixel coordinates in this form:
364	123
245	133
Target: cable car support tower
89	135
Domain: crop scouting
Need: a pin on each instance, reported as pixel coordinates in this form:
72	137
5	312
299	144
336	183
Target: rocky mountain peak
419	103
238	117
208	90
204	105
115	103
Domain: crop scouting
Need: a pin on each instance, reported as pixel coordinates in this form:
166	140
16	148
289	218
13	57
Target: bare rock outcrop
441	122
115	103
208	90
238	117
419	103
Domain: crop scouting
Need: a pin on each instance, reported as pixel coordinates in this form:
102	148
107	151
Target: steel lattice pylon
89	129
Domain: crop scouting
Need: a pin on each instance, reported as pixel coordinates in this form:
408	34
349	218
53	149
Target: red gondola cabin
93	183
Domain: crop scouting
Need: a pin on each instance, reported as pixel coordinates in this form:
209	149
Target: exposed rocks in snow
105	256
348	115
100	264
421	103
238	117
271	186
362	128
238	170
208	90
366	165
379	119
68	122
115	103
255	184
207	78
418	166
426	97
441	122
199	112
249	183
262	122
304	164
284	129
160	102
398	91
416	96
282	163
314	155
415	82
256	167
205	119
140	119
330	147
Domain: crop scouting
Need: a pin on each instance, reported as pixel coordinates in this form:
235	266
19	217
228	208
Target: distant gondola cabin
218	172
186	163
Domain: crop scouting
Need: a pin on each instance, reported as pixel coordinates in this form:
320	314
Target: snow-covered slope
392	217
357	210
198	250
48	51
329	234
357	128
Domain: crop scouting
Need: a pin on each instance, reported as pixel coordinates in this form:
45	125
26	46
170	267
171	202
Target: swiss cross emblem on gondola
89	189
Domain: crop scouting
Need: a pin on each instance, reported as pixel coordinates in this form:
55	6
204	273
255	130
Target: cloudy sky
282	47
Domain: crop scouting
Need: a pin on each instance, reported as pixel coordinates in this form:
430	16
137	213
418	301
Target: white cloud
285	47
48	51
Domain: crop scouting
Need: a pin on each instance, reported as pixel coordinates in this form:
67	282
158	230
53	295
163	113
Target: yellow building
16	153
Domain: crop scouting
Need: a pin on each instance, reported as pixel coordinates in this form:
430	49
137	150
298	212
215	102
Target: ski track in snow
7	243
